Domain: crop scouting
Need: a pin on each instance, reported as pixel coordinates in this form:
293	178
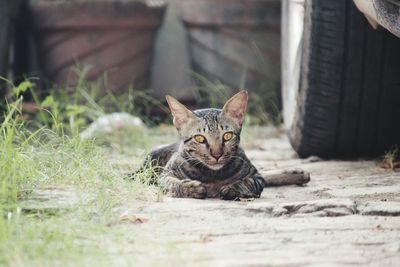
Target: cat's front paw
234	193
246	188
229	193
193	189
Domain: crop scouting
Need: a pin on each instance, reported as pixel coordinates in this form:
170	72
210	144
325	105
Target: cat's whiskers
190	158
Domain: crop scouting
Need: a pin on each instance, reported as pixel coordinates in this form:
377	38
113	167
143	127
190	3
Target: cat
208	161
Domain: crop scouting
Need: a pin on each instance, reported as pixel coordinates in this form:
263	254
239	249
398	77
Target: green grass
45	151
262	108
391	158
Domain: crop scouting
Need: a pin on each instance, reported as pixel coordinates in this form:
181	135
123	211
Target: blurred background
198	51
337	94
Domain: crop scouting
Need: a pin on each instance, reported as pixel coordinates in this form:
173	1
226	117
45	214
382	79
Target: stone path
348	215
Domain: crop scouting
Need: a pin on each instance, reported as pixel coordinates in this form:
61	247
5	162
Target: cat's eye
199	138
227	136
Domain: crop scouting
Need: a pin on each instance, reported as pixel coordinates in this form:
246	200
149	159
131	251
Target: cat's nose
217	155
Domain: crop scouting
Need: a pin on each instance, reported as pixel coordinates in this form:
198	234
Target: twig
287	177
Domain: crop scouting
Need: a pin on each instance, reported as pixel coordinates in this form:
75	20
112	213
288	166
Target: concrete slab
348	215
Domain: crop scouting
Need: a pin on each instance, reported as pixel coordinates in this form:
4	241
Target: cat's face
210	136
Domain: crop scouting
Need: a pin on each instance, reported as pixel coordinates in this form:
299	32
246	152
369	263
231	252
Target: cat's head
210	136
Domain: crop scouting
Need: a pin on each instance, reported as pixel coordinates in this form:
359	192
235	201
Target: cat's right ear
236	106
179	112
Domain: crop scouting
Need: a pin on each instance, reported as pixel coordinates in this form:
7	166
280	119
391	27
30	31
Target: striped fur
215	168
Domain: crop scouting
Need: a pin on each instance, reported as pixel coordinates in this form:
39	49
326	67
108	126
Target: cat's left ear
236	106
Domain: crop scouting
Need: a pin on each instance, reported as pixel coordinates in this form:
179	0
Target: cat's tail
287	177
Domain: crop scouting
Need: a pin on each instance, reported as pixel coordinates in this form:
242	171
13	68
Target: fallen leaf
133	219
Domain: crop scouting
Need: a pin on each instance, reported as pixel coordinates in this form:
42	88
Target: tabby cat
208	160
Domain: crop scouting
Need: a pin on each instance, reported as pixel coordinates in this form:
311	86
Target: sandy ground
348	215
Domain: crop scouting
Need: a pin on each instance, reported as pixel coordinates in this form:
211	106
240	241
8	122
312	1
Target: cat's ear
180	113
236	106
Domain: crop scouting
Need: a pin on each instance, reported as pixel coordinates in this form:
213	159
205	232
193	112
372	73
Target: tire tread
349	93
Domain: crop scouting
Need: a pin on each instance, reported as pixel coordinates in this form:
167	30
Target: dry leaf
133	219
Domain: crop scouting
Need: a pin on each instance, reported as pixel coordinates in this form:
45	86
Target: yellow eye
200	138
228	136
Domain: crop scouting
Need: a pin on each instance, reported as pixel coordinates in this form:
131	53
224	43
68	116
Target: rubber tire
349	90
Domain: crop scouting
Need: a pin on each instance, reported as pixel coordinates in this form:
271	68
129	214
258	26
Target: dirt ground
348	215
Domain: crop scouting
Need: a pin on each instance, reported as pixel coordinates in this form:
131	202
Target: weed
45	155
262	109
391	158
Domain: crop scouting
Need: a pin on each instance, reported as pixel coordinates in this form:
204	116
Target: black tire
348	102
